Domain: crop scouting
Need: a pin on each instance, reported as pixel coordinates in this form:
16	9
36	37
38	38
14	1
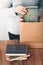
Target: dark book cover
16	49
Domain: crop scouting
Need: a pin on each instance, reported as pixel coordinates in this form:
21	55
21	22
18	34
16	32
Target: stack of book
16	52
32	14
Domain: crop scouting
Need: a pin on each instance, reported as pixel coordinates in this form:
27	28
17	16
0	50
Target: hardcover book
32	14
12	58
16	49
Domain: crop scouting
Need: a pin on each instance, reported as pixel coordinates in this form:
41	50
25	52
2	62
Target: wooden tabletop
36	56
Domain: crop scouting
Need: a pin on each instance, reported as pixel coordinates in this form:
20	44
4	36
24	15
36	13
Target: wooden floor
36	57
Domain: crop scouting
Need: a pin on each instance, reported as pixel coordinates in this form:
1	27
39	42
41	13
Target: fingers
23	7
21	20
25	11
21	10
40	15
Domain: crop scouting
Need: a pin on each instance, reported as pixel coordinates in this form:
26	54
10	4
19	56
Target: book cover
16	49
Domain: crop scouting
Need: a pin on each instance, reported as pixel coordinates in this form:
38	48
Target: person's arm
6	8
8	11
16	7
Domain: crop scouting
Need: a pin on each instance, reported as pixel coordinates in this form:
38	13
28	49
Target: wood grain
36	57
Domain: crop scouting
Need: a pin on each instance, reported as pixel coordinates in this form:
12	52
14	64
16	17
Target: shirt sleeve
8	11
41	6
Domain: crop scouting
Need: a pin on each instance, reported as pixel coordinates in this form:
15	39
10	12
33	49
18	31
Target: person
13	10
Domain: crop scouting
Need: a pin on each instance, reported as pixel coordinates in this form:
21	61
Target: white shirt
8	20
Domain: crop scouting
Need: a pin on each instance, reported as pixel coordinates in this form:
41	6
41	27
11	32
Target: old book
32	14
16	49
12	58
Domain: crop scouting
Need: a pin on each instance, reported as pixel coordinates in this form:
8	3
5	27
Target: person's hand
40	15
21	20
21	10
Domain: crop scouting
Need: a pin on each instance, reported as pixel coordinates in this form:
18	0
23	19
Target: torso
12	22
25	2
5	3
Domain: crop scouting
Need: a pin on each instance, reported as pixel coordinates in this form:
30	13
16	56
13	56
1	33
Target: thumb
21	20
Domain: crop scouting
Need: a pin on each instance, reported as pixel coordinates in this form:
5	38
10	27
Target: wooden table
36	57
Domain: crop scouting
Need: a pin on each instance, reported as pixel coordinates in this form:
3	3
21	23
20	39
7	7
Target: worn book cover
16	49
